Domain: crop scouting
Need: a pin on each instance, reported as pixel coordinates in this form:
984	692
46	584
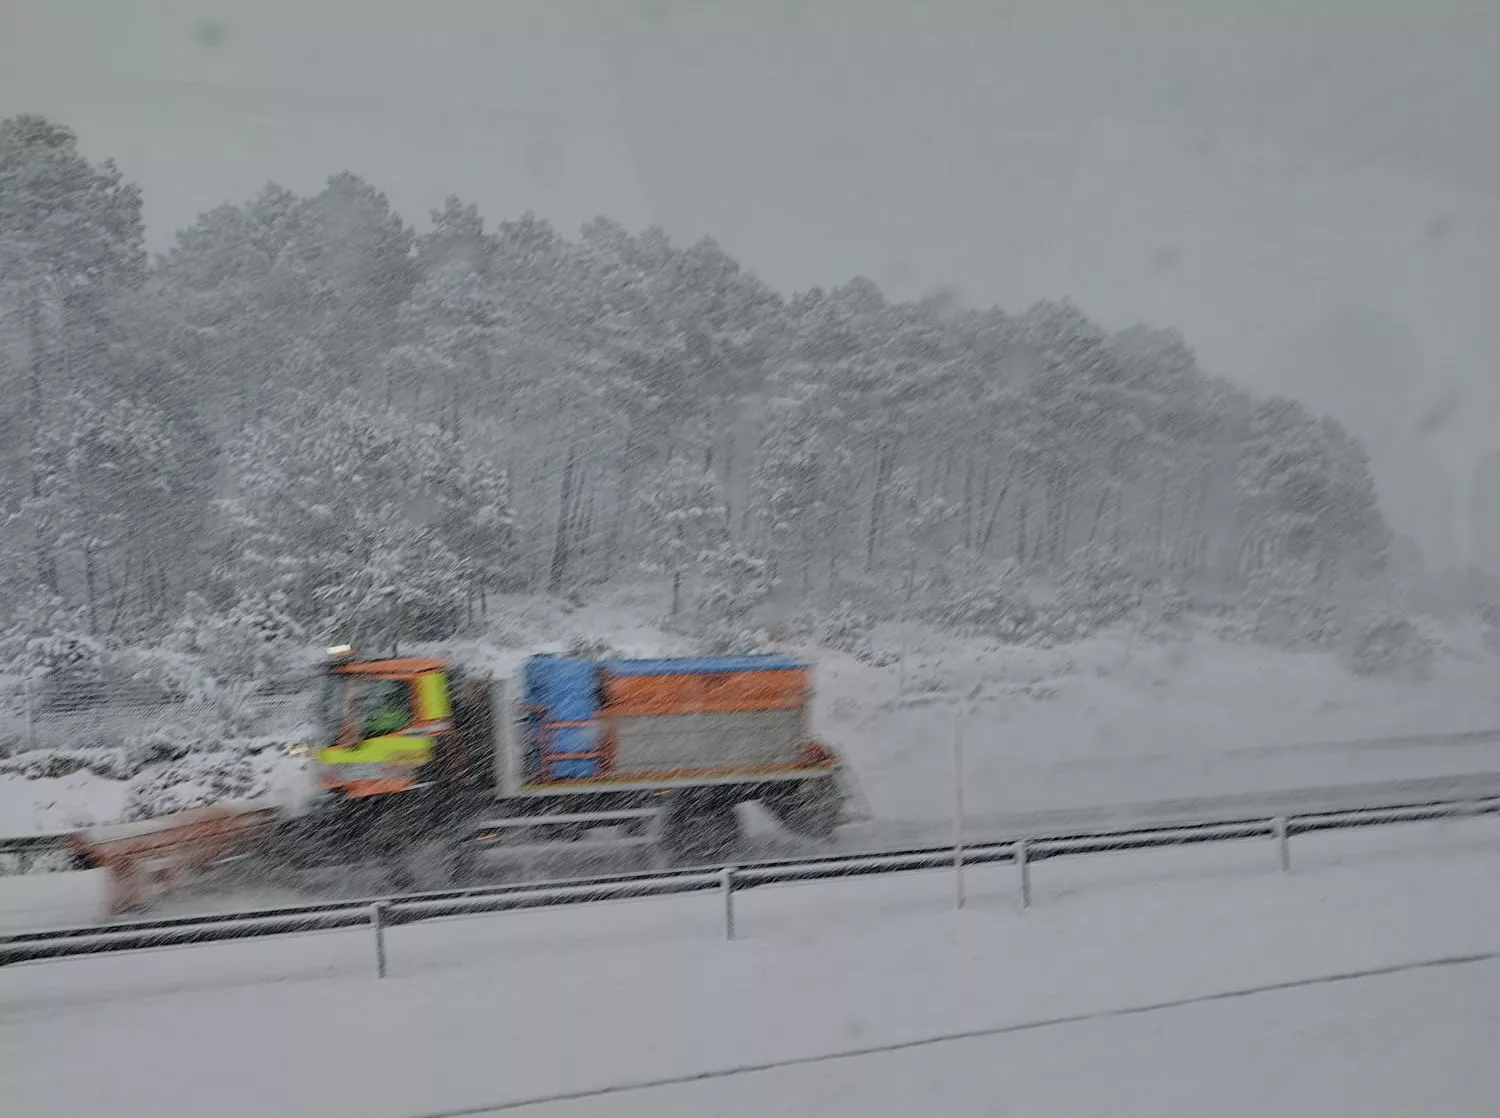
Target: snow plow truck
425	768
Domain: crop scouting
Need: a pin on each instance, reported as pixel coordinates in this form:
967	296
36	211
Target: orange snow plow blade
143	860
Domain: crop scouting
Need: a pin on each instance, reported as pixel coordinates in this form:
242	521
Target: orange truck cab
386	722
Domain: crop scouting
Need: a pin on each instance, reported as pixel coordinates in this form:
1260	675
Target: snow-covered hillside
1119	719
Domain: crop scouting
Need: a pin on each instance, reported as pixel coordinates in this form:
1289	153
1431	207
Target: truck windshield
385	707
351	709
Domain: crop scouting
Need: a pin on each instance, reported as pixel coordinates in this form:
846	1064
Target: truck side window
385	708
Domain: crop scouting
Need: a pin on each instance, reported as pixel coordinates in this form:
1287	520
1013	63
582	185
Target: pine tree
684	521
735	584
363	524
454	349
787	485
114	495
71	240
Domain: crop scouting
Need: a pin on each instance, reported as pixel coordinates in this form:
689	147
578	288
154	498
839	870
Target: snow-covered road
493	1011
1402	1044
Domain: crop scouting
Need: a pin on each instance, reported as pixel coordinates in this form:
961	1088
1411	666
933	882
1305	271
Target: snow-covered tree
71	240
478	523
357	517
735	584
400	581
455	345
1307	489
922	521
115	504
1097	589
787	486
457	236
684	521
352	253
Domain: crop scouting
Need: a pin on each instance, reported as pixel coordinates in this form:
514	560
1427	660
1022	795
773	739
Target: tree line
306	408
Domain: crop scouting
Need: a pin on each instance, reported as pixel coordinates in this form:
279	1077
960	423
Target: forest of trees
307	412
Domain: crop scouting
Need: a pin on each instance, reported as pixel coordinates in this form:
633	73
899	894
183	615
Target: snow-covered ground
1116	719
52	804
1190	982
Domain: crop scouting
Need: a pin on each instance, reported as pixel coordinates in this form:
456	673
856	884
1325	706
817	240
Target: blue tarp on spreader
702	665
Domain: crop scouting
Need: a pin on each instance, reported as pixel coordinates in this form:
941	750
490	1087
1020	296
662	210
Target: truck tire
424	867
703	828
465	865
809	808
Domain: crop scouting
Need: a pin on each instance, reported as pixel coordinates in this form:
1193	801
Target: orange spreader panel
643	695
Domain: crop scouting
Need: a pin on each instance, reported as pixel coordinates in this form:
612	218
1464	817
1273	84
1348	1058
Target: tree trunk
1117	522
624	491
46	563
558	568
1099	510
805	547
1159	520
883	468
1056	512
994	518
1021	527
120	594
578	530
729	479
90	595
1323	569
1200	504
968	500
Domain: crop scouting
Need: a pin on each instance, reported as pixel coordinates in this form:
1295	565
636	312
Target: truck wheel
810	808
424	867
703	828
462	865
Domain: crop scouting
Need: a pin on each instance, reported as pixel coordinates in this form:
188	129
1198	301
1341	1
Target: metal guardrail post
726	887
1283	842
958	813
1024	864
377	922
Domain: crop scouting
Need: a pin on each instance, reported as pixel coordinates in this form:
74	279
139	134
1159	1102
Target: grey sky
1309	189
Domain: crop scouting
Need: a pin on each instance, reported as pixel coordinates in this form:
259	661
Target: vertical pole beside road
726	887
1023	863
1283	844
958	812
377	922
30	712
